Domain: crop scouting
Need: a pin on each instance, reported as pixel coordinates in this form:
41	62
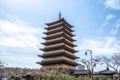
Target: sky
22	22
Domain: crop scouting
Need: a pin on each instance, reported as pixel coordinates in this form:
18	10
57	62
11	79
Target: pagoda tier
53	27
59	34
58	46
58	60
59	40
56	30
58	22
58	54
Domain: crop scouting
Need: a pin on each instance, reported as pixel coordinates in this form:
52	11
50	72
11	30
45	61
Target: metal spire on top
59	15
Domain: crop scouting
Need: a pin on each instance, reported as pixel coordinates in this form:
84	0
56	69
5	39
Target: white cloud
110	16
99	48
109	41
17	34
107	46
18	60
115	28
114	25
113	4
11	42
21	42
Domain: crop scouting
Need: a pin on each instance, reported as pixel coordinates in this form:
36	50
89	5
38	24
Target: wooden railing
58	58
60	50
54	34
55	24
55	29
54	39
54	45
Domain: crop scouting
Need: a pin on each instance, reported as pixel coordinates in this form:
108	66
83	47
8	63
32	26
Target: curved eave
66	36
69	49
41	49
52	32
107	72
52	47
60	20
52	37
38	62
77	57
58	41
75	45
74	40
58	47
59	35
44	32
47	49
68	32
52	42
40	55
73	30
69	43
50	28
73	35
76	51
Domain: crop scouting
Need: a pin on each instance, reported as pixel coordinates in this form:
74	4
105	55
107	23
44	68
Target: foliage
104	77
95	78
2	69
90	64
113	62
109	79
59	77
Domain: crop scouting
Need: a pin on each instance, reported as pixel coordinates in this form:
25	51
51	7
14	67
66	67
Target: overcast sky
22	22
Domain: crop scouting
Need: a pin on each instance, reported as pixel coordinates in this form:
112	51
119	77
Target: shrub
95	78
109	79
104	77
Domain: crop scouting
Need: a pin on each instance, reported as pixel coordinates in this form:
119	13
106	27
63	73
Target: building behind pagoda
58	48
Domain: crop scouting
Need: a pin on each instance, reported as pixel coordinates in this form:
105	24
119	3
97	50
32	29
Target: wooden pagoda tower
58	46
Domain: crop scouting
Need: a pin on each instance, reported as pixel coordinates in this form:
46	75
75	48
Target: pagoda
58	46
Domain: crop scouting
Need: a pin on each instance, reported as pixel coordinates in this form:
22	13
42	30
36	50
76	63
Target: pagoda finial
59	15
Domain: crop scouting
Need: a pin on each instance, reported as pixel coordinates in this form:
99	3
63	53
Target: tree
2	70
113	62
90	66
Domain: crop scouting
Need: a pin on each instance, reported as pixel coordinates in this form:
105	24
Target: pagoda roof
59	35
58	21
59	30
58	61
107	72
58	53
59	41
63	46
